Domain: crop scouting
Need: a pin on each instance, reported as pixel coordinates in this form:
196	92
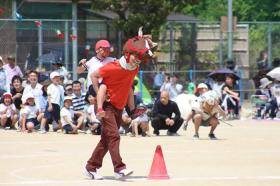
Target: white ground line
220	178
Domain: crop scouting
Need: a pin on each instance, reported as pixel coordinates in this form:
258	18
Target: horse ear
140	31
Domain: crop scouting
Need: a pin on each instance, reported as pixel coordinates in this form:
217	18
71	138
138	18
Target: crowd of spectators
29	104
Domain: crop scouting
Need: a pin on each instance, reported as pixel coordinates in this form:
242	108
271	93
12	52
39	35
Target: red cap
103	44
7	95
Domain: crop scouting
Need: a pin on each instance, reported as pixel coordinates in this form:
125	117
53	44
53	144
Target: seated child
140	125
29	117
93	122
8	112
67	117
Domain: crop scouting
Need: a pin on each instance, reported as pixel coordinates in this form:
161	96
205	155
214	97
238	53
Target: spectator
205	114
125	124
17	91
191	87
34	87
83	82
158	81
271	105
44	99
8	112
174	88
230	98
166	82
4	85
12	70
30	114
52	113
102	49
68	90
140	125
201	89
162	115
69	124
63	72
262	63
94	123
78	99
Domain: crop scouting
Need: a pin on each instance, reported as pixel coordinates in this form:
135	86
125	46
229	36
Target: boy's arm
130	101
67	120
94	79
49	104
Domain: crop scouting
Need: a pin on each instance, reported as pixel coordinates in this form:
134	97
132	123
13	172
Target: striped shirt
79	102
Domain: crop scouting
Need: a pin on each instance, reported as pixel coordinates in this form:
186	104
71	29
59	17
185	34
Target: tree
249	10
148	13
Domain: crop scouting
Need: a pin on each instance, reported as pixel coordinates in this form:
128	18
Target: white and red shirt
93	64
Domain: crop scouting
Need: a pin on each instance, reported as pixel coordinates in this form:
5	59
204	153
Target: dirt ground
246	154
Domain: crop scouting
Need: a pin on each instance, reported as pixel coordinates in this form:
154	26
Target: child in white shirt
8	112
140	125
93	122
55	94
67	117
30	114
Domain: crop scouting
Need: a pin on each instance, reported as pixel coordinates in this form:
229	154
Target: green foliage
148	13
249	10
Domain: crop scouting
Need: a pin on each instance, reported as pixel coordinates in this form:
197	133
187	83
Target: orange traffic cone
158	169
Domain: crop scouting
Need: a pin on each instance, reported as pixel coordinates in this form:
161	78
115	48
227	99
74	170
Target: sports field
246	154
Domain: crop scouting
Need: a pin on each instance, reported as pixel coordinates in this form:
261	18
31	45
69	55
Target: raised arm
82	66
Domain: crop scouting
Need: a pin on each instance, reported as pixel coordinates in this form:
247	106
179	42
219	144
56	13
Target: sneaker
43	132
92	175
196	137
88	131
81	131
212	136
123	174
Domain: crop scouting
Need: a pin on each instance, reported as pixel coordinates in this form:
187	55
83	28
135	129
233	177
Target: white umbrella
274	73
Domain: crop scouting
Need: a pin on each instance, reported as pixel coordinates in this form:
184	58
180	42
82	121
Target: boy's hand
82	62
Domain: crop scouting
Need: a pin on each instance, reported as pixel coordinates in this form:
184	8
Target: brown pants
110	140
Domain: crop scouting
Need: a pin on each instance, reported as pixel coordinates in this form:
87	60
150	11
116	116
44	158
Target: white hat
67	98
264	82
1	59
27	96
202	85
54	74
